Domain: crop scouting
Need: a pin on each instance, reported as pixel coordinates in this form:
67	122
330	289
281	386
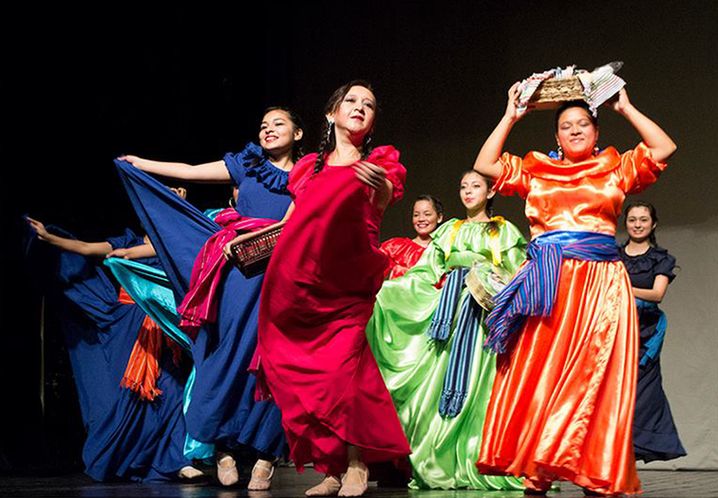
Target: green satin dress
444	450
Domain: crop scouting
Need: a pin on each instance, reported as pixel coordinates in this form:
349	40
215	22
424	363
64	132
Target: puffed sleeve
513	178
300	174
665	265
237	163
639	169
387	157
390	247
127	239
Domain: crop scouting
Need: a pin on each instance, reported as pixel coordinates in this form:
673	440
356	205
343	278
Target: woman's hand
121	252
371	174
227	249
513	102
39	228
133	160
620	103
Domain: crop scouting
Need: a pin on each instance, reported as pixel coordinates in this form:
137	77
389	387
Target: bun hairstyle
328	141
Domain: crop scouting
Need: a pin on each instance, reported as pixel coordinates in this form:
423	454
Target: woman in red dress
563	400
403	252
318	296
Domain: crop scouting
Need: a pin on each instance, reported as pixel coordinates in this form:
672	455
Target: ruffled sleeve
127	239
639	169
253	163
513	178
664	263
387	157
300	174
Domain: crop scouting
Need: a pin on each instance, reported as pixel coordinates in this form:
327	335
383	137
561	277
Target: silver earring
560	152
596	150
330	126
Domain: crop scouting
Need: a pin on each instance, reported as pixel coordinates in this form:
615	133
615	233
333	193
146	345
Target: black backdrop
190	83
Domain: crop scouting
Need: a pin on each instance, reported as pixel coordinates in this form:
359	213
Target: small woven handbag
251	256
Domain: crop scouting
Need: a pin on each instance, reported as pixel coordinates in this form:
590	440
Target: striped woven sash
532	291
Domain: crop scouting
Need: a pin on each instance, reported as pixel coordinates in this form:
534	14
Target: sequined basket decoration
251	256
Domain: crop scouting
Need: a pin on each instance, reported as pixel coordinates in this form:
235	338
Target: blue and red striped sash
532	291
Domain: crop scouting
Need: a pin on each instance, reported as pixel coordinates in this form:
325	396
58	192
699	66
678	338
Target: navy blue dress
222	410
127	437
654	433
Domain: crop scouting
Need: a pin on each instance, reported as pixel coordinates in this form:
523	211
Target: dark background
80	87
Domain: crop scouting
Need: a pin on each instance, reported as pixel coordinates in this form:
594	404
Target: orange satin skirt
562	402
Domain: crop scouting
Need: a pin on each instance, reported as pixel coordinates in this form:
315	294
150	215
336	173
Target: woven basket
251	256
484	282
552	92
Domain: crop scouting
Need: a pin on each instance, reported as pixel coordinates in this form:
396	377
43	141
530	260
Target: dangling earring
330	126
596	150
560	152
230	203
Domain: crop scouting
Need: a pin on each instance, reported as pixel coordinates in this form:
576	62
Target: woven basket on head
252	256
552	92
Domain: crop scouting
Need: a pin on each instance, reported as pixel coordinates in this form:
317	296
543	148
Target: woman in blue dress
651	269
223	410
132	416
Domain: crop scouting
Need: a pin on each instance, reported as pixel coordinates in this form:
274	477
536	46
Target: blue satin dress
222	409
128	438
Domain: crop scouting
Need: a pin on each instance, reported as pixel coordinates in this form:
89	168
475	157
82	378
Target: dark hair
491	226
574	103
435	202
297	149
328	141
651	210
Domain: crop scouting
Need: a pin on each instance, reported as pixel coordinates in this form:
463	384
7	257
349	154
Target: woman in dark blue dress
132	433
651	269
222	410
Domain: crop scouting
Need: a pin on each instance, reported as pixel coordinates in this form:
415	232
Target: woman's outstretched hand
39	228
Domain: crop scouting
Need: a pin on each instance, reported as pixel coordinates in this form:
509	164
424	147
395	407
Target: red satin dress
317	297
403	253
563	399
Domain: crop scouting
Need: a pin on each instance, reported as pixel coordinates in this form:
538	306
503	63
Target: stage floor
287	483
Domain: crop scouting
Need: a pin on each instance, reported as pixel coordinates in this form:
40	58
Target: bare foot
328	487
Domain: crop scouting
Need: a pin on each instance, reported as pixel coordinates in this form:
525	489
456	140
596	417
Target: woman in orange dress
566	325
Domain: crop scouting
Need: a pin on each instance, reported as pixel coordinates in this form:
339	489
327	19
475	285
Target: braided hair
328	141
297	124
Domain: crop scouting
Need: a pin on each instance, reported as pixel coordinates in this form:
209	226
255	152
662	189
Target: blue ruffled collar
257	165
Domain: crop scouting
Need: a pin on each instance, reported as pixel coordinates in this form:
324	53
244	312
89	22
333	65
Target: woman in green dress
427	333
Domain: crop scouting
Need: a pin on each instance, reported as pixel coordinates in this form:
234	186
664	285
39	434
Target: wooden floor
287	483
